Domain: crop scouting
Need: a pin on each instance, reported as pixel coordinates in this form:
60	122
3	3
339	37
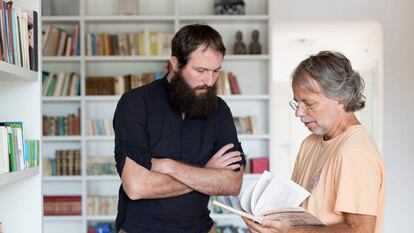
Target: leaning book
275	197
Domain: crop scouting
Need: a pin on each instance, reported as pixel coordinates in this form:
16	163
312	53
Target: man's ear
174	63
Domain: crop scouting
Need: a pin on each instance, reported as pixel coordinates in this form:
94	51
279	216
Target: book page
295	217
259	189
246	197
236	211
280	193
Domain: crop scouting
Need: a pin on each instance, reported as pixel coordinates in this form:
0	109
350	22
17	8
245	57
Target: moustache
203	87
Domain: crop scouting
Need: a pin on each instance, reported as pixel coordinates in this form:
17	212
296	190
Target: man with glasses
338	163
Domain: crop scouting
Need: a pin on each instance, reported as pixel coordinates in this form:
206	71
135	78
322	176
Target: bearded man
176	142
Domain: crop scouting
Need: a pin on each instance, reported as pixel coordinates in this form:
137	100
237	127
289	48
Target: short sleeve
227	133
358	183
131	135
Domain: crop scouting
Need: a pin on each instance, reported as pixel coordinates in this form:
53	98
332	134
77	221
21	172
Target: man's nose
209	78
299	112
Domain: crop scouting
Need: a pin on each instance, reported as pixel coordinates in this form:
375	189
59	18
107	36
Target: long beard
185	100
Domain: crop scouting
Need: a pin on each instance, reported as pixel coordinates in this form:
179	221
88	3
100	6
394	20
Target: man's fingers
230	155
233	160
224	149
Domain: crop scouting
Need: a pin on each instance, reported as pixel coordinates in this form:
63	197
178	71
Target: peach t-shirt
344	174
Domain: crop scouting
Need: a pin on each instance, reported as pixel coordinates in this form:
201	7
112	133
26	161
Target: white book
4	150
276	197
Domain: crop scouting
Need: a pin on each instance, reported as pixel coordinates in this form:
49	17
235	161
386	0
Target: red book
259	165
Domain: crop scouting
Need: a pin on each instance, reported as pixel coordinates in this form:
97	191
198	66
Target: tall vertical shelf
95	16
20	100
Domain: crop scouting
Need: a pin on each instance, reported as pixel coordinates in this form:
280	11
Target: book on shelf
65	163
259	165
102	205
101	165
274	197
99	127
62	205
18	35
61	125
117	85
144	43
246	124
60	84
16	153
227	84
60	42
101	227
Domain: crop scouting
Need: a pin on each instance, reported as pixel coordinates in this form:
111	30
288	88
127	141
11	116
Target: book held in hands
274	197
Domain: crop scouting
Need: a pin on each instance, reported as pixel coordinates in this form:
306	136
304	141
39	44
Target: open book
276	197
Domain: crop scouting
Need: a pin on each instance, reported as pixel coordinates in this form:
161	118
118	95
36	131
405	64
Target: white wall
397	20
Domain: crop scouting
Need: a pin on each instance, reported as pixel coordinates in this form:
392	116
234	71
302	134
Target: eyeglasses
295	105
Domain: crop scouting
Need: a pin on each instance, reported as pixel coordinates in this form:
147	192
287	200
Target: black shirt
147	125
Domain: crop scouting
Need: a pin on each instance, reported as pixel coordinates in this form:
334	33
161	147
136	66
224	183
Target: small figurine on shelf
239	46
128	7
255	47
229	7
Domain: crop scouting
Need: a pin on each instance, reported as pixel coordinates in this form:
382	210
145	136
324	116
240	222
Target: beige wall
397	19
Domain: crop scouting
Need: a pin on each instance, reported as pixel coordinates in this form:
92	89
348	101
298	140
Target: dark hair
334	73
191	37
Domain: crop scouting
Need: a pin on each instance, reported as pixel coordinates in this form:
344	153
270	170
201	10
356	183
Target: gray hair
334	73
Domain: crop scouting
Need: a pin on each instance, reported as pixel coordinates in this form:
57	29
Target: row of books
61	125
102	227
232	201
145	43
62	205
227	84
60	42
15	152
117	85
101	165
65	163
246	125
18	36
101	127
101	205
60	84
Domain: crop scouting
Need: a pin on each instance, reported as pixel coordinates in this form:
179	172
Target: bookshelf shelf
254	136
61	138
116	18
62	218
64	19
103	178
62	178
10	72
101	217
252	71
246	57
12	177
20	101
61	99
62	59
234	18
126	58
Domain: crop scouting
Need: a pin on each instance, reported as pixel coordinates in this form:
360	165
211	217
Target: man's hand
221	159
266	226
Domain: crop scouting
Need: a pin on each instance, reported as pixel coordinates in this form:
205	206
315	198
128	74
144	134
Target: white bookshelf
20	100
253	74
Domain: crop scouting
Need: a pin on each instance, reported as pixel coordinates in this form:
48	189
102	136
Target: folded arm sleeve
226	133
131	135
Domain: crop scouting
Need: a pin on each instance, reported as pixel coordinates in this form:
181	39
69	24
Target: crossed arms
168	178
